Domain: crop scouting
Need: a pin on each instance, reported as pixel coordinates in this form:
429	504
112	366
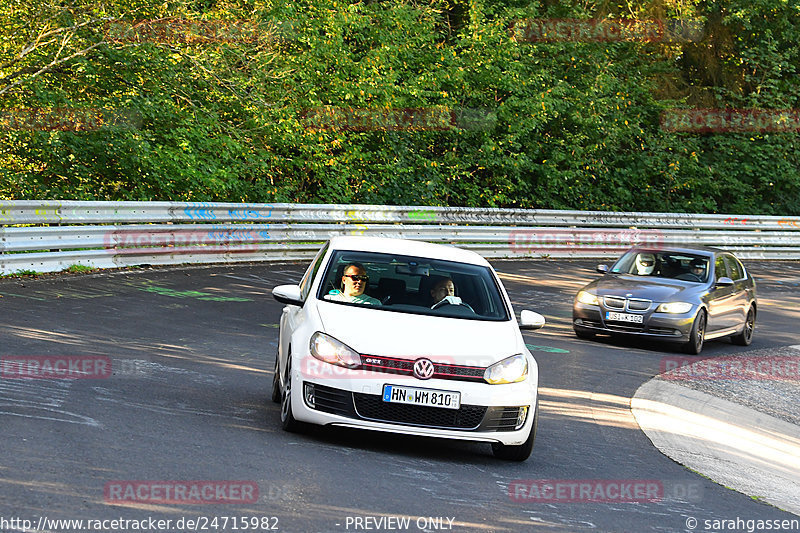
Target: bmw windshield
663	264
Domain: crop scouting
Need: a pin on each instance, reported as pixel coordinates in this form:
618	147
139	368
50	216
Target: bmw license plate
625	317
427	397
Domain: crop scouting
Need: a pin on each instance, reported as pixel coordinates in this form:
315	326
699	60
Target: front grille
372	407
612	302
639	305
394	365
618	303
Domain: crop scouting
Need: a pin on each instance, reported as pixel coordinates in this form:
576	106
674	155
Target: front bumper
488	413
664	326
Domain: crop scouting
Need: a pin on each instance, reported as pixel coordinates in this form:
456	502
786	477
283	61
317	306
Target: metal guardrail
47	236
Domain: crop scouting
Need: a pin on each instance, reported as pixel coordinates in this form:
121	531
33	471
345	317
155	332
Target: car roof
700	250
407	247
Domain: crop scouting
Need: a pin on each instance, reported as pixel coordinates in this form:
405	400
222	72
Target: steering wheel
448	300
444	301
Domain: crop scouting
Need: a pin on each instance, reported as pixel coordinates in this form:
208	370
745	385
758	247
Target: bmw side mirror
530	320
603	269
288	294
724	282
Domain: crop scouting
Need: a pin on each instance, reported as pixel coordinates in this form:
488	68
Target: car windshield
412	285
663	264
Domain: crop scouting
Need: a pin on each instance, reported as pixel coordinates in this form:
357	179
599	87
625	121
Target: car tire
276	383
288	421
746	336
587	335
697	335
518	452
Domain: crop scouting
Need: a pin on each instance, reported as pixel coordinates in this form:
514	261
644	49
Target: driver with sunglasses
354	282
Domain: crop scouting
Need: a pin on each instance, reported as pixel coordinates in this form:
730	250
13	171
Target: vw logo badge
423	369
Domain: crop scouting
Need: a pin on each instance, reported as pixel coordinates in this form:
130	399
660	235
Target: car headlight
326	348
587	298
509	370
675	308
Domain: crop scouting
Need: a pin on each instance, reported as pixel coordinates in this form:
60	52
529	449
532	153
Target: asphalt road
192	352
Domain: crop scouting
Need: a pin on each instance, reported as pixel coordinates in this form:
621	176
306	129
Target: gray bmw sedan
681	295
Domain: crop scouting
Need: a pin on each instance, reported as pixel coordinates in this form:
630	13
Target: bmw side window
720	270
735	268
311	273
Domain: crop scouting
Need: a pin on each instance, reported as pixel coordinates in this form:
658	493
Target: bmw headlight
326	348
587	298
674	308
509	370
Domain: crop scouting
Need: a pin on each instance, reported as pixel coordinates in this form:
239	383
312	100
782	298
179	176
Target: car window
311	272
662	264
720	270
414	285
735	268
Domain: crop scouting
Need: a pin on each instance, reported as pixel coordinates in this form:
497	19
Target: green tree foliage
440	102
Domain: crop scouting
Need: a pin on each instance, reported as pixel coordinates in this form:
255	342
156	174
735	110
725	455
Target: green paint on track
550	349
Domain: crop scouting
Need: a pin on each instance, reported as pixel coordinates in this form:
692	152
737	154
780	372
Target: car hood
656	289
393	334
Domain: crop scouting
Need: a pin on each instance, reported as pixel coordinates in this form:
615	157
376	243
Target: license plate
625	317
415	396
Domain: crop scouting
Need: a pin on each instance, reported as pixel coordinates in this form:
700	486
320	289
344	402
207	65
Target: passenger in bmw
354	283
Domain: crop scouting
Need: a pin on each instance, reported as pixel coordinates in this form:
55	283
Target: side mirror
724	282
603	269
530	320
288	294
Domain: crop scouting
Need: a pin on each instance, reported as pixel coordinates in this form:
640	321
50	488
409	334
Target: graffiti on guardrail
546	239
251	213
735	220
789	222
422	215
200	211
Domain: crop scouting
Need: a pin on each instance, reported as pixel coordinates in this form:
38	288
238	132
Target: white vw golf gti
406	337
